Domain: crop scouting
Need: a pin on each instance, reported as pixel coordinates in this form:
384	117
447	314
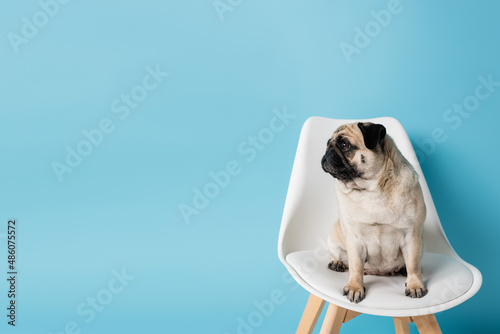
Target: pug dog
381	209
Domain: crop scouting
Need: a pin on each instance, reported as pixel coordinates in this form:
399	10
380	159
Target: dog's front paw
415	290
355	294
337	266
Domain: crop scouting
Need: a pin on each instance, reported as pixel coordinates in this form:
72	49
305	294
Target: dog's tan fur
381	216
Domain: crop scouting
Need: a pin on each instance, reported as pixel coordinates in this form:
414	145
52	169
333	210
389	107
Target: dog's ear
372	134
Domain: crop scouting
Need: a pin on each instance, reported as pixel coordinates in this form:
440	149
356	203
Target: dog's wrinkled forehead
348	131
340	128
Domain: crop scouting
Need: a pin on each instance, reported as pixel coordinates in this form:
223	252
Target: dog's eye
345	146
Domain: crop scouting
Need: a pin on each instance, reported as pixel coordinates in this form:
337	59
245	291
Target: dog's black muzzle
335	164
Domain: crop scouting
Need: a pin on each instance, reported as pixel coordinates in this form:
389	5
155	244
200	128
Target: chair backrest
311	204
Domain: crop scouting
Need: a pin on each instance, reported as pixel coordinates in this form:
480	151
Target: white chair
308	216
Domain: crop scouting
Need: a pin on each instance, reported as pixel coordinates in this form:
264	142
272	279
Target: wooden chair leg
350	315
427	324
311	314
401	325
334	318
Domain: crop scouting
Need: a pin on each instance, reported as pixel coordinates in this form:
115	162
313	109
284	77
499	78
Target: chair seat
445	277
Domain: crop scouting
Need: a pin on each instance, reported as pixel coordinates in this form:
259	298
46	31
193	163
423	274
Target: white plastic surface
310	210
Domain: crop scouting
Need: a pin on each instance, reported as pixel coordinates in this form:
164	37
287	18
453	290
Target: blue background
119	208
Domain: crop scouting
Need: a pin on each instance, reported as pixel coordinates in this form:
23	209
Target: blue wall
115	115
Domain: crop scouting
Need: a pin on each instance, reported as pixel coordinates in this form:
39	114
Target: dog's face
354	151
